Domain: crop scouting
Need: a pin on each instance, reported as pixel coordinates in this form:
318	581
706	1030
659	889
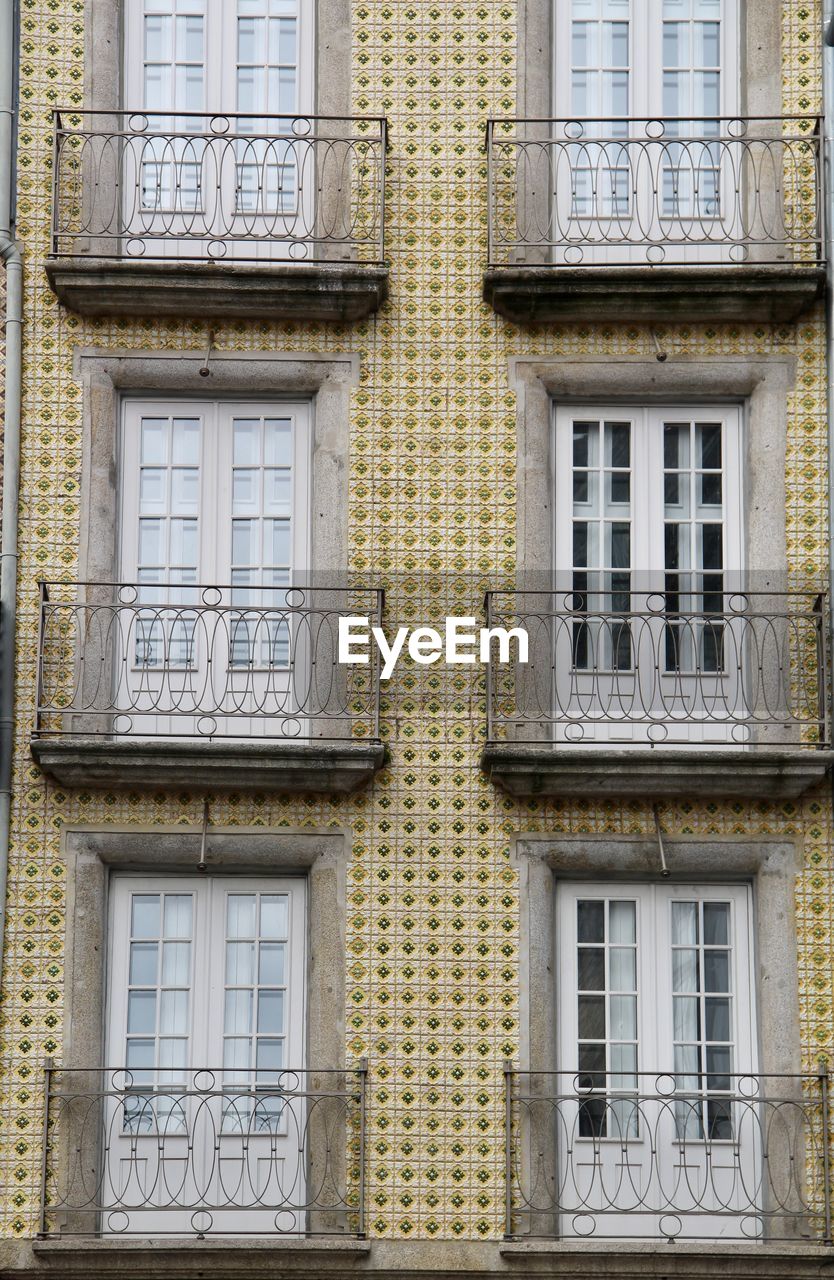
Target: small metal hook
204	369
664	870
201	865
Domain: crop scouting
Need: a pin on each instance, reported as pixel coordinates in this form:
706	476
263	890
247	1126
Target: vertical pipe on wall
11	255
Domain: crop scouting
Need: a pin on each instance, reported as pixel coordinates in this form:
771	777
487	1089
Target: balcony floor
284	766
544	769
282	290
764	294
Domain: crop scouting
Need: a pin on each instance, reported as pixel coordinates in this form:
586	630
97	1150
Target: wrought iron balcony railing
203	1152
206	187
736	669
659	1156
203	662
682	191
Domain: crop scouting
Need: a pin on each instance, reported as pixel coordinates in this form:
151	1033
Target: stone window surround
108	375
760	383
759	43
104	56
770	864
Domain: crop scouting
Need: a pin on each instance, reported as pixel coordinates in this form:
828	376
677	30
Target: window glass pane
717	1018
178	915
271	971
687	1021
173	1013
685	922
145	915
274	915
270	1012
278	442
176	963
240	963
685	970
622	922
246	436
591	969
143	962
141	1012
592	1017
623	1018
240	918
186	442
591	921
623	963
716	971
238	1019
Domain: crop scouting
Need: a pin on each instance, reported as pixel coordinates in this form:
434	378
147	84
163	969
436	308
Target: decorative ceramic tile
432	926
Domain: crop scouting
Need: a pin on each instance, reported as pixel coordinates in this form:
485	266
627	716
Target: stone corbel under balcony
545	770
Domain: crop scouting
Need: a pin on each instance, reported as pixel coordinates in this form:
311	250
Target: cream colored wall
433	924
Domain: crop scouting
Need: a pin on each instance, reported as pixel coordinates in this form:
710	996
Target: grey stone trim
760	72
665	295
104	56
769	864
268	766
107	375
272	1259
541	770
339	292
761	382
92	854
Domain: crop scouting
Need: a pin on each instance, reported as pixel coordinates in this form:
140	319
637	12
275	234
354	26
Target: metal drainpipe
13	258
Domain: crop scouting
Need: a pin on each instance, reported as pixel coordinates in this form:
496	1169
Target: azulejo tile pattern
432	910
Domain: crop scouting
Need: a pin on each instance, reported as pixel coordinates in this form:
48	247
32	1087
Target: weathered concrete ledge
274	766
764	294
243	291
543	769
112	1258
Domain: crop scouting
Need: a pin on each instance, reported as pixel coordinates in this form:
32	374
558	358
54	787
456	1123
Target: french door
207	170
648	549
639	174
658	1126
205	1024
214	533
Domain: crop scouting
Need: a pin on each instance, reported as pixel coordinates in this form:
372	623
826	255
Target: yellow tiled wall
432	905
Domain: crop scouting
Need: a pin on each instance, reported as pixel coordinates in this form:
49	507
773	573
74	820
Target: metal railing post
48	1066
826	1152
363	1102
508	1149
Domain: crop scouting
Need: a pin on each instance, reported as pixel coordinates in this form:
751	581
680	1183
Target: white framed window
621	59
215	492
252	57
207	168
205	1040
648	499
649	550
215	532
656	1052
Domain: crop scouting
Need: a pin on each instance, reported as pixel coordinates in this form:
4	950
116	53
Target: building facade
509	312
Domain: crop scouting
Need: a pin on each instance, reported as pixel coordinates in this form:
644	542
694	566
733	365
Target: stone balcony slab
327	291
775	293
542	769
286	767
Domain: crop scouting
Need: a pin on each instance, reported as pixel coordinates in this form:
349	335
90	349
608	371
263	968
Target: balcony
661	1158
662	698
279	217
177	688
154	1154
654	220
